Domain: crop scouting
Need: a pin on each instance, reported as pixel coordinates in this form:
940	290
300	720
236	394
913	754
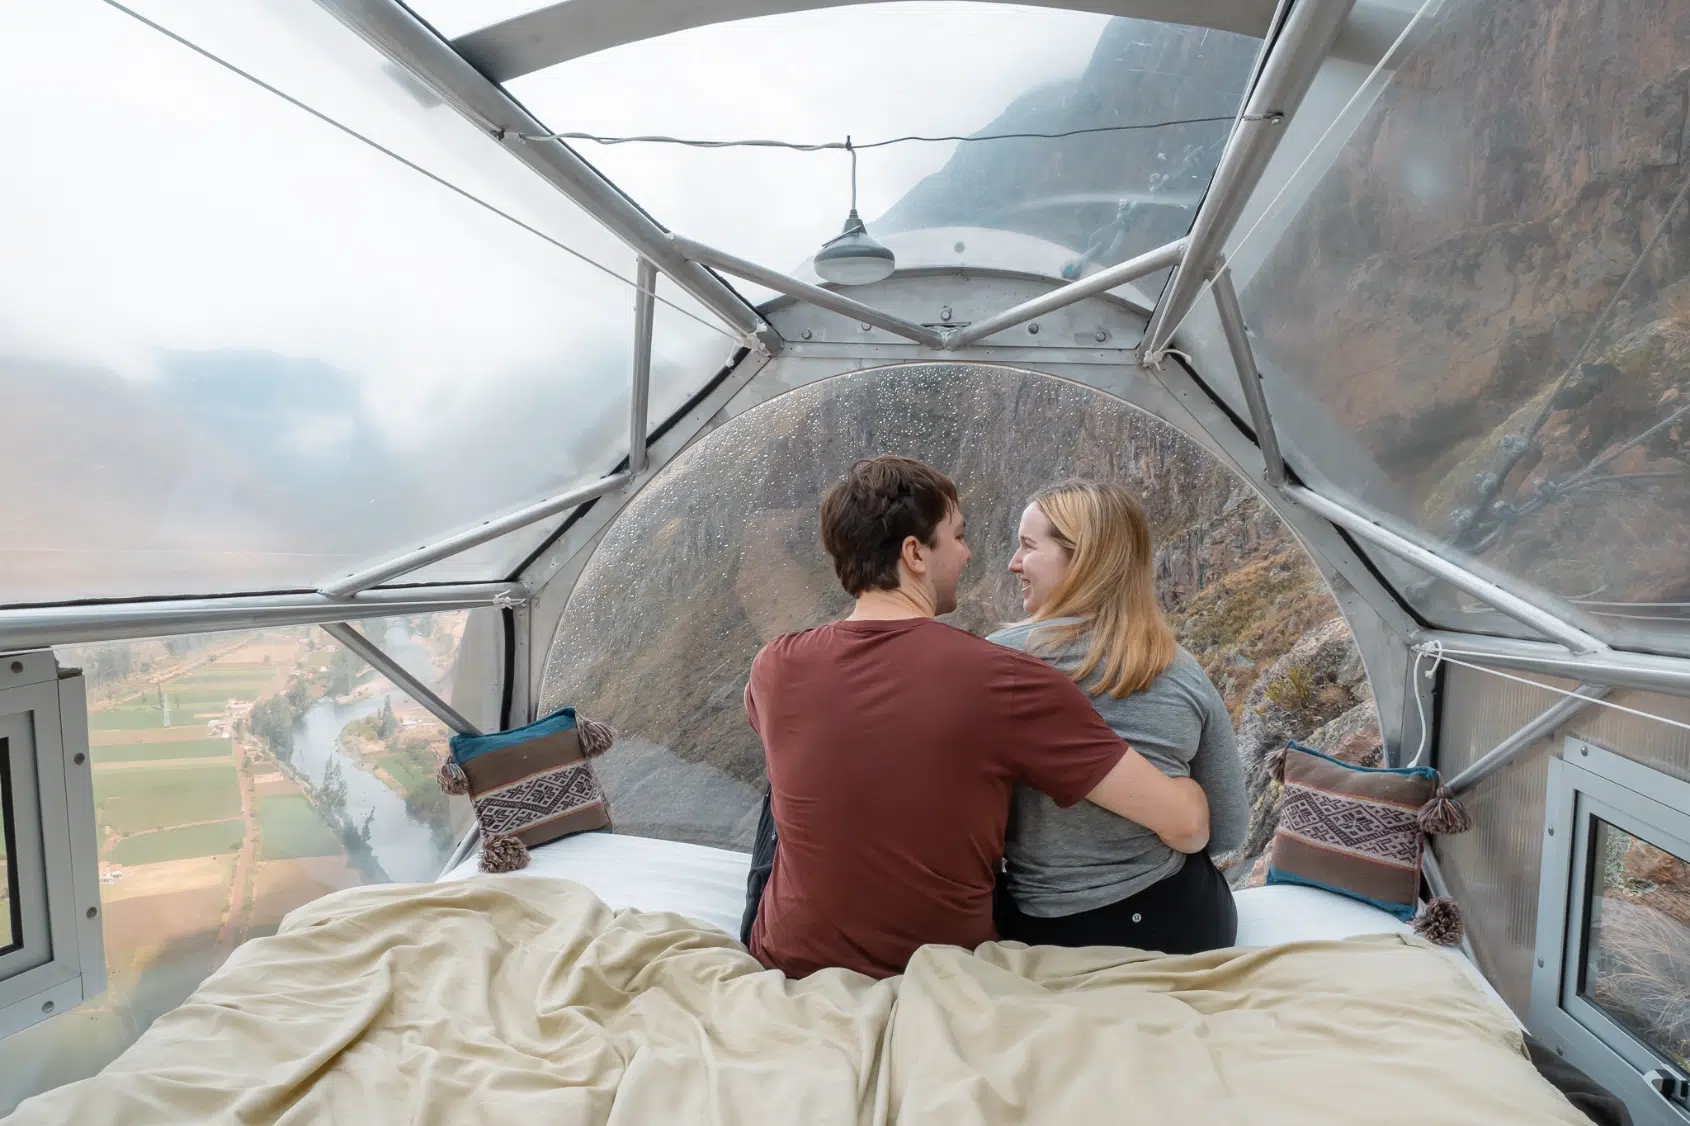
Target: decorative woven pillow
1359	831
530	785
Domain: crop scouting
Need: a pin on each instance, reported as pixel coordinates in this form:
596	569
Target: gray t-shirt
1064	861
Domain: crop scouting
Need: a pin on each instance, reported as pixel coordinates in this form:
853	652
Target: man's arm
1175	809
1069	753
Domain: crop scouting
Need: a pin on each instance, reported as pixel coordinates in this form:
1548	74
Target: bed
602	985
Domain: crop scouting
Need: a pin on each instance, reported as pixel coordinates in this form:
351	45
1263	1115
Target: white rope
1435	651
1444	655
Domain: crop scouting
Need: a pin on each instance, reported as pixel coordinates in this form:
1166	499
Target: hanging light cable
852	257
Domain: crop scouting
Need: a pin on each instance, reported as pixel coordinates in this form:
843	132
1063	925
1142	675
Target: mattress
707	885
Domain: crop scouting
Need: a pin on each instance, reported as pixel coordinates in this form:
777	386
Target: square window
1635	965
1611	987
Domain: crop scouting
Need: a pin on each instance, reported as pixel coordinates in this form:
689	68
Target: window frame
44	718
1585	784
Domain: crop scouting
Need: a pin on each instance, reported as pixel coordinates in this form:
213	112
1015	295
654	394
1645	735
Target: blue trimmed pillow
1359	831
530	785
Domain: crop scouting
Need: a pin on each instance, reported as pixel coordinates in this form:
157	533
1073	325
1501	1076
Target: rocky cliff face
1497	267
1146	181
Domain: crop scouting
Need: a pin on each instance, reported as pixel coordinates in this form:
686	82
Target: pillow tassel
452	778
1440	922
1275	762
503	852
1444	815
596	738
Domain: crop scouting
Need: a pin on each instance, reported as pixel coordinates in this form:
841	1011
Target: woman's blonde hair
1110	585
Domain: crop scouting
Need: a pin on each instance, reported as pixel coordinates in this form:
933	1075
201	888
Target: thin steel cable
847	146
411	164
1443	654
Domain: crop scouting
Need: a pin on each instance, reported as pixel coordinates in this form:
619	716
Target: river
406	849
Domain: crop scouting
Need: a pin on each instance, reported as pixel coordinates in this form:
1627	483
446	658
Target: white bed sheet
708	885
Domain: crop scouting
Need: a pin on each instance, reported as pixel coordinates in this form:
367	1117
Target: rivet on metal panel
806	334
1033	328
1100	335
865	326
92	911
80	758
945	313
17	666
1584	751
1540	963
1552	831
46	1006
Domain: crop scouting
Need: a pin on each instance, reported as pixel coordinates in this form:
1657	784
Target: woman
1083	876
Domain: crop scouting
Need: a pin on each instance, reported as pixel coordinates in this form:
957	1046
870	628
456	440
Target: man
893	743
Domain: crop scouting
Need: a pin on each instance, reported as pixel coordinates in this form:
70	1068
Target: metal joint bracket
378	659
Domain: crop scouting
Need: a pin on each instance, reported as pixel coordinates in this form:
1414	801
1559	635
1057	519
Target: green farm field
211	839
290	829
409	771
160	750
144	799
126	719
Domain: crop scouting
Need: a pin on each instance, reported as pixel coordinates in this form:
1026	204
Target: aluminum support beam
35	627
1646	672
472	537
1249	376
639	401
1292	62
1526	613
804	291
1101	282
571	29
389	27
1510	748
401	677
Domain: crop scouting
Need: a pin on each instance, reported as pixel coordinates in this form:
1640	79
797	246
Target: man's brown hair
867	515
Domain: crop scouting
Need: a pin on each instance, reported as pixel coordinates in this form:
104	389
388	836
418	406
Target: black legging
762	863
1186	913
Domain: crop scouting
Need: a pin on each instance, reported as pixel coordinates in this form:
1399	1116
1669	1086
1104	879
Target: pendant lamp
853	258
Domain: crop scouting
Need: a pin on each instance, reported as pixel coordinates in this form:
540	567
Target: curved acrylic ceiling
1472	308
878	71
242	350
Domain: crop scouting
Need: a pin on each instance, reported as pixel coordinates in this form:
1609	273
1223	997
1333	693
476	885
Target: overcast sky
154	201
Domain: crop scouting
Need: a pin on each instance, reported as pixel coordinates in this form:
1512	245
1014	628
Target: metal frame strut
378	659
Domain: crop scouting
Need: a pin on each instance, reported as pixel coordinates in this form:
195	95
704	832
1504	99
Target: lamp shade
853	258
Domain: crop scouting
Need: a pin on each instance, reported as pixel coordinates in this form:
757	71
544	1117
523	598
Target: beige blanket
524	1001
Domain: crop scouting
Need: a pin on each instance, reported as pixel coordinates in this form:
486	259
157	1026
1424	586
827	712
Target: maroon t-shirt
893	748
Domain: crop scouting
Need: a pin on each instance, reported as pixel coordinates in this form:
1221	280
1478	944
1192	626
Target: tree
345	667
387	724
